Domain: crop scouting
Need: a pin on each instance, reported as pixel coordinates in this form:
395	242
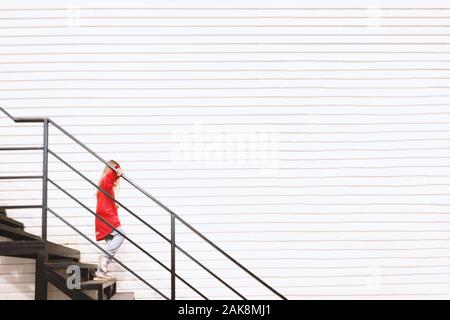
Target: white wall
337	187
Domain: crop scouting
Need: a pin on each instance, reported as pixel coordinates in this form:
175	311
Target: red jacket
106	208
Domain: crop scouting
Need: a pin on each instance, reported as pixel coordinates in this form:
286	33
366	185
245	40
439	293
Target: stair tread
16	234
60	250
96	284
123	296
11	222
65	264
29	248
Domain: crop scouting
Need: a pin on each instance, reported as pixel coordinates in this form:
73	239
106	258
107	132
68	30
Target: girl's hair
113	164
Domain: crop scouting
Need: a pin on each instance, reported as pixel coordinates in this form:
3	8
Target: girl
107	209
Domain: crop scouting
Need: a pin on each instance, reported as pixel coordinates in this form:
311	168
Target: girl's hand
119	172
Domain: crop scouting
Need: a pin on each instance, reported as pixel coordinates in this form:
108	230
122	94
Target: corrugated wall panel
310	141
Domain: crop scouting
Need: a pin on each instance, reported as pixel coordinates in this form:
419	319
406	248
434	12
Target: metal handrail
145	223
91	241
20	148
20	177
107	223
104	221
172	213
105	252
32	206
125	236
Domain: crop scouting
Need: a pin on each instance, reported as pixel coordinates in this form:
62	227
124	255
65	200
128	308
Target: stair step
21	248
16	234
30	248
97	284
86	270
60	282
55	260
123	296
11	222
99	289
55	250
27	245
65	264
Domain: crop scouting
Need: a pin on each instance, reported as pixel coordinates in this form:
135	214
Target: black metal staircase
52	262
50	270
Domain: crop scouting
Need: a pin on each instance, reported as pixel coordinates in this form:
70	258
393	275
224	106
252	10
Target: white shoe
103	265
100	275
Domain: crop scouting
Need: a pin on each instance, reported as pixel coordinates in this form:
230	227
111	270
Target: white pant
113	242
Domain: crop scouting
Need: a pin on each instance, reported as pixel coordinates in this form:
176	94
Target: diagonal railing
173	216
148	225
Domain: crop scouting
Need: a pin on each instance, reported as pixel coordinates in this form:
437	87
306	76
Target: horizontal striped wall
311	142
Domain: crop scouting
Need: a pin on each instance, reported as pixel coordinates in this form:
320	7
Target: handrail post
172	255
45	181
